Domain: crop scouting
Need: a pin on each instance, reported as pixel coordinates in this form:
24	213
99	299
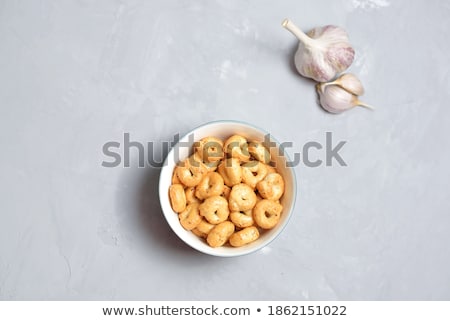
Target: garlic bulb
349	82
322	53
336	99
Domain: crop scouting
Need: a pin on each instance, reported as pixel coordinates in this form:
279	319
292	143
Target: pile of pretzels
227	192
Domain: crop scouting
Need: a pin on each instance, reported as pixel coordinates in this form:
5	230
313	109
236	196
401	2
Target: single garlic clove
336	99
351	83
322	53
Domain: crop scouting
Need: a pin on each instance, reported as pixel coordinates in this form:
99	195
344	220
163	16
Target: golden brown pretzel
209	149
245	236
242	219
231	171
190	195
177	197
267	213
210	185
203	228
271	187
190	217
190	172
250	169
259	152
236	146
220	234
242	198
214	209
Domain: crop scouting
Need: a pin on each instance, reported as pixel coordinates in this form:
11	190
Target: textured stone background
77	74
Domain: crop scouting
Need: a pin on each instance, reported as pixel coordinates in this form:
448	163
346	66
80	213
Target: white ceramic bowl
224	129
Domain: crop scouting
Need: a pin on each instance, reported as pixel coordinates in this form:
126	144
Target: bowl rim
210	251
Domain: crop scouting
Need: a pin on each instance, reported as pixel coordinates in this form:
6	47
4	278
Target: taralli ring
259	152
220	234
190	217
190	195
271	187
203	228
267	213
214	209
231	171
245	236
177	197
190	172
242	198
210	149
210	185
236	146
242	219
253	172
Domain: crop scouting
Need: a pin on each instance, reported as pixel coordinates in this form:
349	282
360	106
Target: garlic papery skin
336	99
349	82
322	53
